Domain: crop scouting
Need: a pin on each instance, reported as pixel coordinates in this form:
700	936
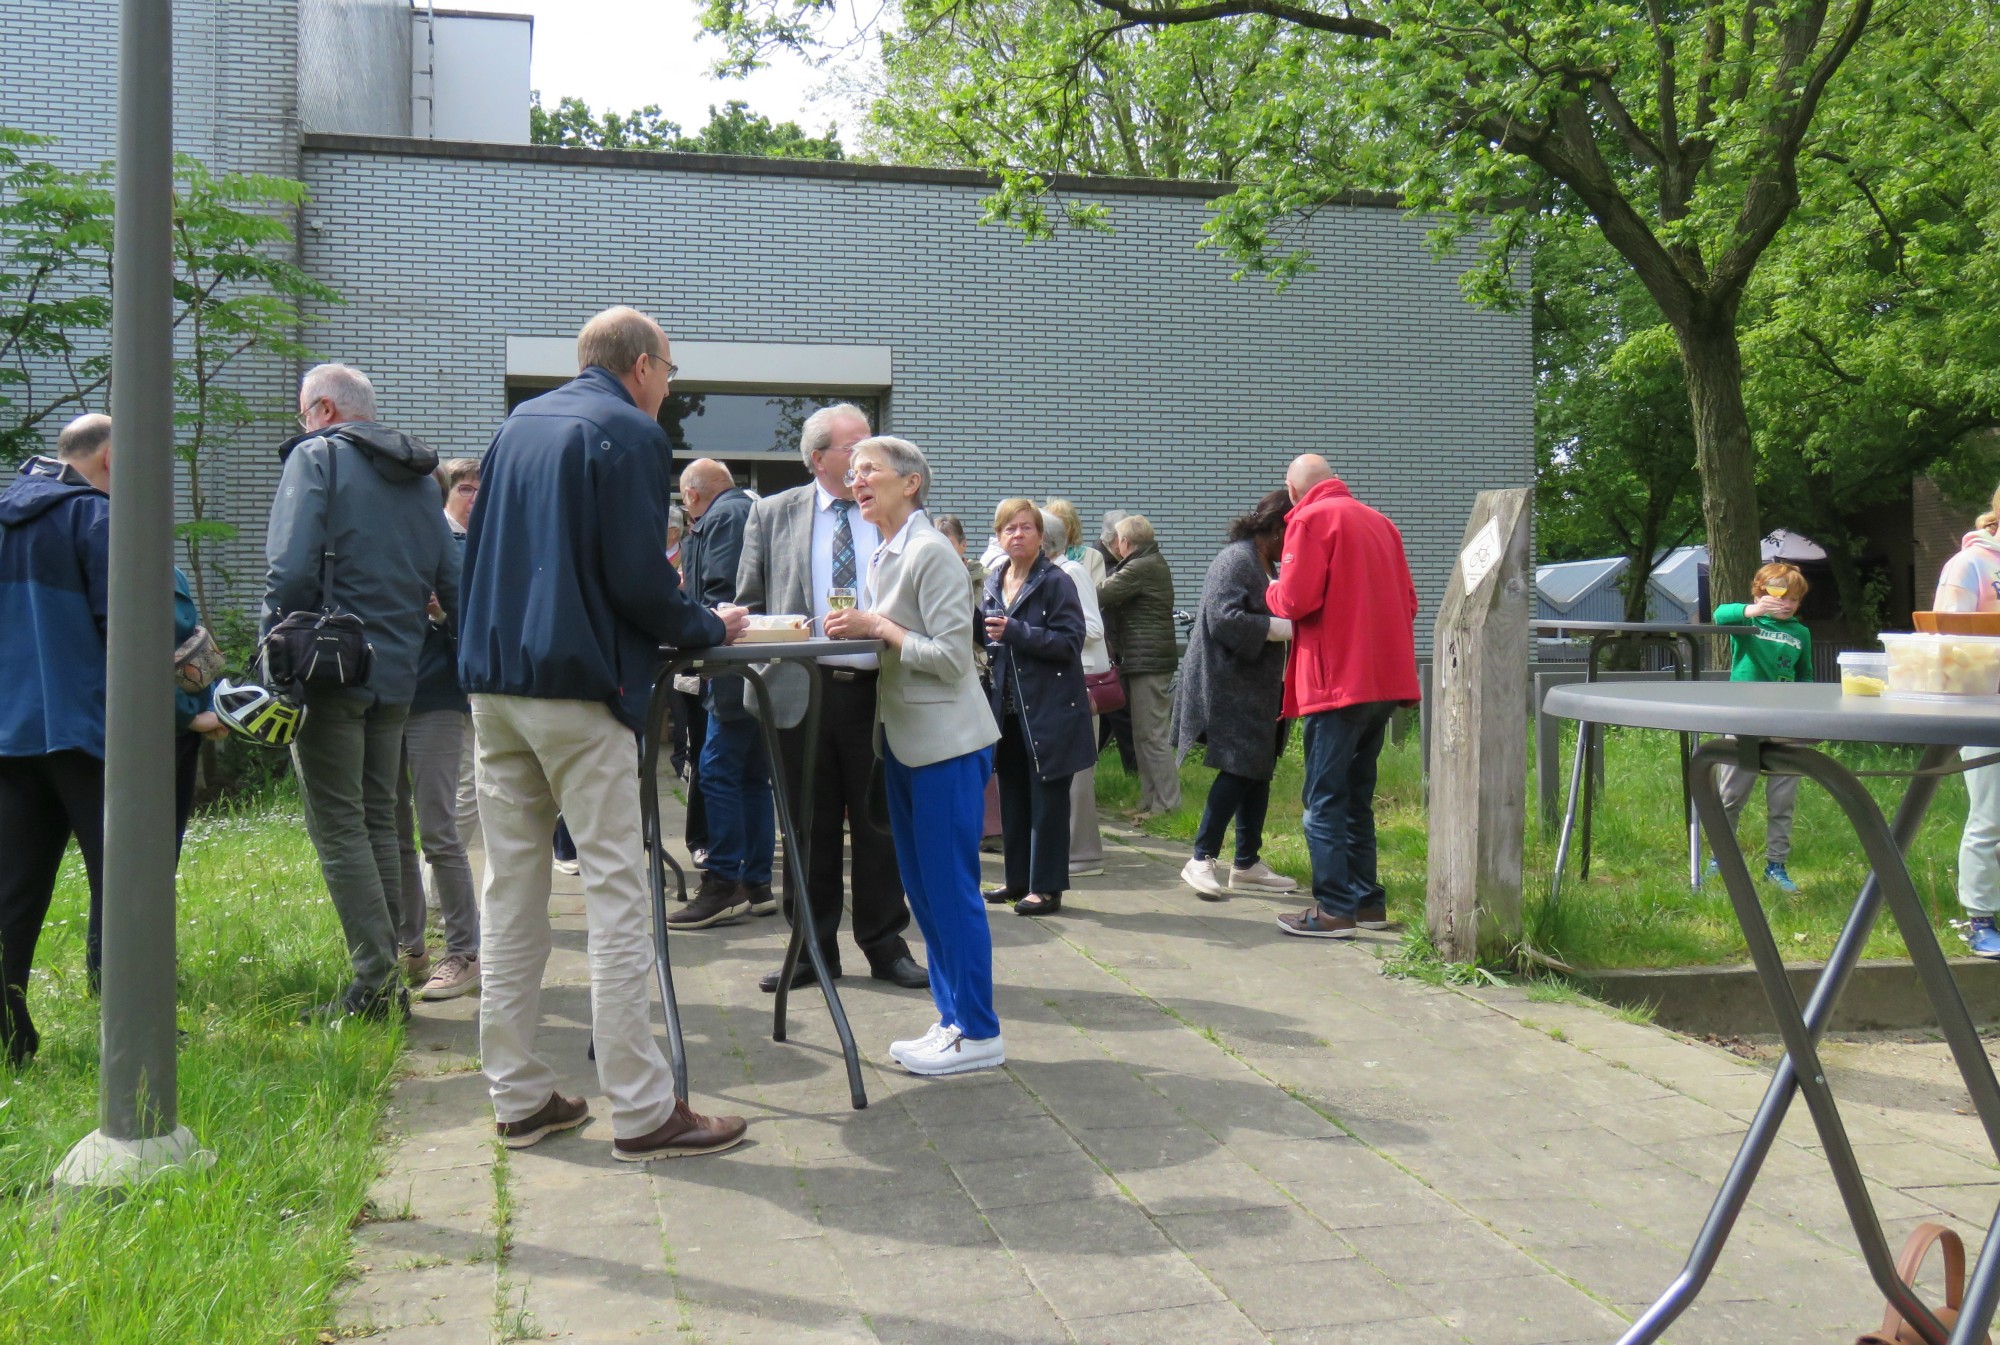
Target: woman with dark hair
1231	690
1034	648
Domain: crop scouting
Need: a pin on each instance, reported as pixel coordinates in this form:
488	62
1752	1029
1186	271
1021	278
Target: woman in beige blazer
935	736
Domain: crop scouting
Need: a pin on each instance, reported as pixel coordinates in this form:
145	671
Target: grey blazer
930	705
774	573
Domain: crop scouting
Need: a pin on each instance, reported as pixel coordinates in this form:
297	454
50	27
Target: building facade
1123	369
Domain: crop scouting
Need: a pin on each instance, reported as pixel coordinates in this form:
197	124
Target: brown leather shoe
685	1134
1313	923
558	1113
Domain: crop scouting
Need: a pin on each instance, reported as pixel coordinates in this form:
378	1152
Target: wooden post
1479	736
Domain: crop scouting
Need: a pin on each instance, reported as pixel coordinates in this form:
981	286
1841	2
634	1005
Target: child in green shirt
1774	647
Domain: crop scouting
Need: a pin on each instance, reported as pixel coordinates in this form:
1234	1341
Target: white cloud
618	55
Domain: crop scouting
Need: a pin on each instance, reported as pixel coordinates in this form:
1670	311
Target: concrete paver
1205	1132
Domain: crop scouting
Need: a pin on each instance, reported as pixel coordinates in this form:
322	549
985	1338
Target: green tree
1678	130
236	297
731	129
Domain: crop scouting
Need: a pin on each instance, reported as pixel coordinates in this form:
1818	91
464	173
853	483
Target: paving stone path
1206	1132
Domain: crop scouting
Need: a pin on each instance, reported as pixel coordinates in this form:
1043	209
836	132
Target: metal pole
138	1105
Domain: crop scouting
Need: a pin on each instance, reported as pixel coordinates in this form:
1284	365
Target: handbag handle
1909	1263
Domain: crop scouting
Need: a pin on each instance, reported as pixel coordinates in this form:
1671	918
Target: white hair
1055	536
352	395
817	432
903	458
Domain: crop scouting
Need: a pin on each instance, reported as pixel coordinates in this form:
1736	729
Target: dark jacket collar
601	378
996	580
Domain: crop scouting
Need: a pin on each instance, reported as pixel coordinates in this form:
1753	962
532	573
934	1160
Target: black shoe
804	976
1002	896
383	1007
905	972
762	900
719	901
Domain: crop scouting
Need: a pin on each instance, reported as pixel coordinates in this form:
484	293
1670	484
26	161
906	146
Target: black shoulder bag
326	648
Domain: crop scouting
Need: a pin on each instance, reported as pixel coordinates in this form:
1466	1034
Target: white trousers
538	758
1979	847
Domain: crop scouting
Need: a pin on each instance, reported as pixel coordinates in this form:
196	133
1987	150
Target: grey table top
1778	710
1629	628
774	651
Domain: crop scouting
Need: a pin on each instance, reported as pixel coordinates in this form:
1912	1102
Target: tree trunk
1723	451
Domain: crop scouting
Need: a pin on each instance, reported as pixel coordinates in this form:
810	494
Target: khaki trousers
1150	698
538	758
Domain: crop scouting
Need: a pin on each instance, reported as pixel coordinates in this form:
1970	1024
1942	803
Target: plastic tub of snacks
1943	667
1863	673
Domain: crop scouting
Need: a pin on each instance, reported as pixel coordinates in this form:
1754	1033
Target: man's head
333	394
632	348
1307	470
1135	533
85	444
826	444
701	482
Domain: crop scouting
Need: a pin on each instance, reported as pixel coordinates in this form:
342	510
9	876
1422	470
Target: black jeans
43	802
1034	817
690	734
841	771
1342	747
1243	800
1115	726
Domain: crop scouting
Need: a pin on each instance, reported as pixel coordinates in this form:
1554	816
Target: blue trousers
936	813
1342	747
736	789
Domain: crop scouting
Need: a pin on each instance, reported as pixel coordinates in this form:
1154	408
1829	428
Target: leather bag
1895	1330
1107	691
327	648
197	662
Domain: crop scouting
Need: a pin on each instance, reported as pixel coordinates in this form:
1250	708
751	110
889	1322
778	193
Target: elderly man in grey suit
799	547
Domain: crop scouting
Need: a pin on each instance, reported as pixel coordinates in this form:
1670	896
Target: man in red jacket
1346	587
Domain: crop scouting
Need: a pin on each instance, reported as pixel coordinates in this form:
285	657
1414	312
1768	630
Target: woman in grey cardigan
1231	689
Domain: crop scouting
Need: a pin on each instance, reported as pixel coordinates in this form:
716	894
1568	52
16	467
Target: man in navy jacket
55	534
568	596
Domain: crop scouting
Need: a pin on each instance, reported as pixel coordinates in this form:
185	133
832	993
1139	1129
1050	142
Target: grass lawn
251	1249
1636	909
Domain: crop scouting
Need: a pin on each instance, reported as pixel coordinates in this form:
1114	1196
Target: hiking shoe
1775	875
1201	875
386	1006
719	901
416	965
1257	877
455	975
558	1113
1313	923
685	1134
761	899
1981	937
1373	917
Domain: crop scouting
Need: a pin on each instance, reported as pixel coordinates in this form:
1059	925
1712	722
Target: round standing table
1757	714
794	824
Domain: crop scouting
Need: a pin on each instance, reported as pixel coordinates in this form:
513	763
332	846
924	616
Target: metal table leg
658	862
794	825
1800	1069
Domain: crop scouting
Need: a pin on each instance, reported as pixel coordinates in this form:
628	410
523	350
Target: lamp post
139	1131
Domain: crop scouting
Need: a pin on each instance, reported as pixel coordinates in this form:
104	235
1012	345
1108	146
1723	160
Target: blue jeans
1341	750
935	816
736	788
1242	799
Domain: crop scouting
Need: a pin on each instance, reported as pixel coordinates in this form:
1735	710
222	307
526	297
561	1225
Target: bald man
735	774
1345	586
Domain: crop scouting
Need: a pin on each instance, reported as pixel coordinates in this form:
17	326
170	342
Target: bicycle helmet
250	711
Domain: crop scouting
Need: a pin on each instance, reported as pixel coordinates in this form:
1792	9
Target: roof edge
840	170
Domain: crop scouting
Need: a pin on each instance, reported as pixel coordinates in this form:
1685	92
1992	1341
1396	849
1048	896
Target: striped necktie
843	545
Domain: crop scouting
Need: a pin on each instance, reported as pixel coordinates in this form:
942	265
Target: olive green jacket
1138	603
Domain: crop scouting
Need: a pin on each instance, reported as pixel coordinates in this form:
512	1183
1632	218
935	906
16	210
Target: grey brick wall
235	108
354	66
1125	369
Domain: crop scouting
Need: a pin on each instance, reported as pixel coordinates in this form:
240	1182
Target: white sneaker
1201	875
956	1053
1259	878
1086	868
932	1036
569	866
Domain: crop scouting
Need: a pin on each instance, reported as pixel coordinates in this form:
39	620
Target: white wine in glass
839	599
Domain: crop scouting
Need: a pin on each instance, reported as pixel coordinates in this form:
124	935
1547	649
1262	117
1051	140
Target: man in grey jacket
362	492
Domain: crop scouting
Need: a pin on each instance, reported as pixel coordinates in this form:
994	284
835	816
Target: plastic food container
1863	673
1943	666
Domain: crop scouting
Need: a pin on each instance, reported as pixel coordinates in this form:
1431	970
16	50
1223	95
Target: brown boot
685	1134
719	901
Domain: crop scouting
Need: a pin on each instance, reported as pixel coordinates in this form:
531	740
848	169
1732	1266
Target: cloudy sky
623	54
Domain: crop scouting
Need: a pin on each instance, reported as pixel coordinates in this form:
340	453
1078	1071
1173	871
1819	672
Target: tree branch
1154	16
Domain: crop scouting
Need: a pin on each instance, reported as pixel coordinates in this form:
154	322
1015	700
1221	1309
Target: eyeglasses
856	475
672	369
305	417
